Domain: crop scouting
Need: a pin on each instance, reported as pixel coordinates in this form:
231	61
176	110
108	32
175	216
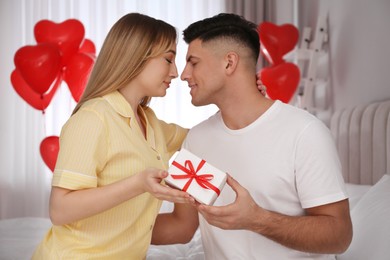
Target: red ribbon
202	180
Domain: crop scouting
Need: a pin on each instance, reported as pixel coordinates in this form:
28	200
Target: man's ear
231	60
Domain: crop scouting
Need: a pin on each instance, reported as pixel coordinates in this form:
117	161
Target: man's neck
242	110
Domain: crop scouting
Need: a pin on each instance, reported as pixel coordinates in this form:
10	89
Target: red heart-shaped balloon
37	101
68	36
281	81
88	47
77	73
49	149
39	65
276	41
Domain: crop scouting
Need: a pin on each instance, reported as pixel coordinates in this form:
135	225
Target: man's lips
192	88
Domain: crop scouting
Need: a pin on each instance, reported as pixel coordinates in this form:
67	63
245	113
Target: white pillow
355	193
371	224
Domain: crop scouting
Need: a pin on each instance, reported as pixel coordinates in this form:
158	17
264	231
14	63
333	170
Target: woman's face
158	73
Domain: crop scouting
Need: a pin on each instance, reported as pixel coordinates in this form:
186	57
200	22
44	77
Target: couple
284	198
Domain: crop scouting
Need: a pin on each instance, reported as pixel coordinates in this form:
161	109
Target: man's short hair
225	26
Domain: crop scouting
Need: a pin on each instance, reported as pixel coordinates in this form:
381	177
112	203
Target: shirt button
158	157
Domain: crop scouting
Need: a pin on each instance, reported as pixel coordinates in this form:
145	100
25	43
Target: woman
106	187
106	190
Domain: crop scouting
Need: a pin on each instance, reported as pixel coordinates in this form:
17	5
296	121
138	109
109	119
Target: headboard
362	136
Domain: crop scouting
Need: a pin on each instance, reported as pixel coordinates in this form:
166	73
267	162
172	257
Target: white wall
359	47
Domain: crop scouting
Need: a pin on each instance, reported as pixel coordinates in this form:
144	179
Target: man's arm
325	229
176	227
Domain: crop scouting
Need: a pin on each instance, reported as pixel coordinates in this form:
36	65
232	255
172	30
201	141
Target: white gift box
194	175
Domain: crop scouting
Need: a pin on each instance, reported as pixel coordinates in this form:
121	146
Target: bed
362	136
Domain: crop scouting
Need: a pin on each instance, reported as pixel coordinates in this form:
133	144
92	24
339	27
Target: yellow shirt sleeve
83	151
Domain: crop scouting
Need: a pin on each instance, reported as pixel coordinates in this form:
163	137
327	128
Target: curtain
252	10
24	178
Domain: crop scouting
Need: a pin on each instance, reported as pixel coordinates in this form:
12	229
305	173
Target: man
285	197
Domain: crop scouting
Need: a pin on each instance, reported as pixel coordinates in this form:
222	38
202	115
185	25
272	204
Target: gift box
194	175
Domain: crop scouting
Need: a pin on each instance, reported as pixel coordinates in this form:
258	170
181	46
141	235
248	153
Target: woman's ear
231	60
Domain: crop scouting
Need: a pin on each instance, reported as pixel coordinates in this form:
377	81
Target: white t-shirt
286	159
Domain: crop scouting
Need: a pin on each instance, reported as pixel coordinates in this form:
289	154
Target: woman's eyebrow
172	51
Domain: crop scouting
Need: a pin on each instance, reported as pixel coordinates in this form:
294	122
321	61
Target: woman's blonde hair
132	40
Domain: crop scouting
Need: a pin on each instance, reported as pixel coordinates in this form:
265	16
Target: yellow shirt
101	144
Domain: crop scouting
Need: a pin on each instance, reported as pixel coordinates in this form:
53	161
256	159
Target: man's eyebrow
191	57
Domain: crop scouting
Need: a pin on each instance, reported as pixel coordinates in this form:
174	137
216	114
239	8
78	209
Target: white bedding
191	251
371	224
20	236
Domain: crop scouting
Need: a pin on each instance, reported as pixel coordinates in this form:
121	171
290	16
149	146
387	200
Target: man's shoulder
206	124
296	113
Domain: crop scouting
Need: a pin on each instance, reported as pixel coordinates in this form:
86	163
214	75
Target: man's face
203	73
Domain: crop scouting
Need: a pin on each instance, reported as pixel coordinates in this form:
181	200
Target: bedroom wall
358	61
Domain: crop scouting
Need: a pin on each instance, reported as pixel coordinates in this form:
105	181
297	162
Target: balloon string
43	115
44	123
44	118
43	109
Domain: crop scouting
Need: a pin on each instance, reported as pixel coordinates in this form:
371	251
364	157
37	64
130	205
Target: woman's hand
151	181
262	88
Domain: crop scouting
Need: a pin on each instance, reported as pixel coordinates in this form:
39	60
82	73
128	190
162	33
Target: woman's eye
168	60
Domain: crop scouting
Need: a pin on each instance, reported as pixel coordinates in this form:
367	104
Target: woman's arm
67	206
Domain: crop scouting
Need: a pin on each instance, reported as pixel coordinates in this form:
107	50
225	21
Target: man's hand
325	229
238	215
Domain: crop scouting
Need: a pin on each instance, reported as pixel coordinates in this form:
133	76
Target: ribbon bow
202	180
